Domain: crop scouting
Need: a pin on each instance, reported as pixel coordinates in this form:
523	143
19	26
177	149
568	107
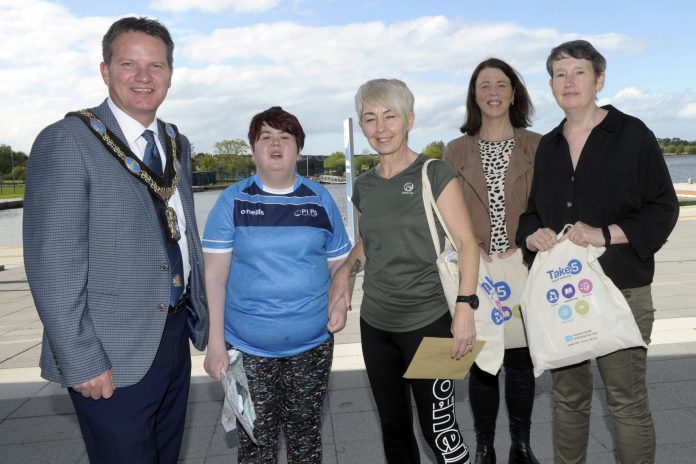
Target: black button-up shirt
621	178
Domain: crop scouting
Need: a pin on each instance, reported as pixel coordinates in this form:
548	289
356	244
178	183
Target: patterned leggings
287	392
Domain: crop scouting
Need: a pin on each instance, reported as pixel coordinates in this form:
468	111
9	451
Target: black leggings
387	356
484	396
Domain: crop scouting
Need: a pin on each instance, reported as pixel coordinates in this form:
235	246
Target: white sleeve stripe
217	241
217	250
335	258
340	248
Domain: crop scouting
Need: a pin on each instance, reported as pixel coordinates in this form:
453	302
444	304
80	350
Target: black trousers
142	423
387	356
484	396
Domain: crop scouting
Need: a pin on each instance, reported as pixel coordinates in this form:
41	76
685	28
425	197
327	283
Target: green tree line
231	159
13	164
677	145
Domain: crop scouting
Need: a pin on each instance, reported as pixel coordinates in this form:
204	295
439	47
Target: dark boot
519	395
520	453
485	452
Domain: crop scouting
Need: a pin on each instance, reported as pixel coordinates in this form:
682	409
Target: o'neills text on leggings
447	437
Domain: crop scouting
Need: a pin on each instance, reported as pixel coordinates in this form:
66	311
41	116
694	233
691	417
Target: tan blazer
463	155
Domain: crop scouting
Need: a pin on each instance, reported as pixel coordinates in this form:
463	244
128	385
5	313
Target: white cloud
214	6
224	76
688	111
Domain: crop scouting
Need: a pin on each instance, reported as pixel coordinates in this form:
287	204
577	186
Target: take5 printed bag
489	319
572	310
510	276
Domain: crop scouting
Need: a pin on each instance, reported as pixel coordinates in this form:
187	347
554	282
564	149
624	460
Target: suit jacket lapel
103	112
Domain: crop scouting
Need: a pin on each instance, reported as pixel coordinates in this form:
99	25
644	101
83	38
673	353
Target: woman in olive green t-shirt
403	297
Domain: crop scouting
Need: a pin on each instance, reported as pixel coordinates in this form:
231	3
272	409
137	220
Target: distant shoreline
685	191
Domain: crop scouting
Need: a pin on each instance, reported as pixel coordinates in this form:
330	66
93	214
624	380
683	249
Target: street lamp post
14	187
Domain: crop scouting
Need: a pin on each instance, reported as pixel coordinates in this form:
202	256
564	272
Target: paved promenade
38	425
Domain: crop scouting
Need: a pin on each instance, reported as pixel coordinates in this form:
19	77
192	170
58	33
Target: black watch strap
472	300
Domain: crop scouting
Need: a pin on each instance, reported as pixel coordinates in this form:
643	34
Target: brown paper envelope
432	360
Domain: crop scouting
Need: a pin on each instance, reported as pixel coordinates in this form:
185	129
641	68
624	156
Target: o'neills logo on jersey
408	189
253	212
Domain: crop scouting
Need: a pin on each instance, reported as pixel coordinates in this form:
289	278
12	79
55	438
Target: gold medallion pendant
172	222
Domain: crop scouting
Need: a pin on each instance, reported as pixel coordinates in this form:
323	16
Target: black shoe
520	453
485	454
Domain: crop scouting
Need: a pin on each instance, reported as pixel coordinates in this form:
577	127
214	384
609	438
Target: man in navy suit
113	256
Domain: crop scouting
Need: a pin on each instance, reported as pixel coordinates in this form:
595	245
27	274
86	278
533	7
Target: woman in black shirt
602	171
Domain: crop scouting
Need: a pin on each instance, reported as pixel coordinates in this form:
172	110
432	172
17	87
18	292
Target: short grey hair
578	49
393	94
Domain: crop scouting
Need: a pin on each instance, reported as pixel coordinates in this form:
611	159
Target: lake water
11	219
681	168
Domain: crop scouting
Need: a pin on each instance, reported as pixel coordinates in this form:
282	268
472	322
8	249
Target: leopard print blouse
495	157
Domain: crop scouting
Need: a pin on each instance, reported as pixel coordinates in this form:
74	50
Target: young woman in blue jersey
403	300
271	244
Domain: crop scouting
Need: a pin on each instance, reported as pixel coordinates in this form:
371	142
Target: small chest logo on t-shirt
311	212
408	188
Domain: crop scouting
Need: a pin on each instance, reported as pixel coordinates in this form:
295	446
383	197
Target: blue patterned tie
176	266
152	156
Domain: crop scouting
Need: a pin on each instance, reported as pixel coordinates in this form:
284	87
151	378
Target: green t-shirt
402	290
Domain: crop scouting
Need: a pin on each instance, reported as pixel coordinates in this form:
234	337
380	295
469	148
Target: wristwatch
471	299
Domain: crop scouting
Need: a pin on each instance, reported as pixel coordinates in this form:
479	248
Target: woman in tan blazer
494	160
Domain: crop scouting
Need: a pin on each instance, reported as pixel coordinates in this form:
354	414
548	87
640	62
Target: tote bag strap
430	205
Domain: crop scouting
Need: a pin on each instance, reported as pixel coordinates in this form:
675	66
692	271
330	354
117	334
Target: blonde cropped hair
392	94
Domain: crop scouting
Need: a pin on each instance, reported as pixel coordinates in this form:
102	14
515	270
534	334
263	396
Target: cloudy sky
234	58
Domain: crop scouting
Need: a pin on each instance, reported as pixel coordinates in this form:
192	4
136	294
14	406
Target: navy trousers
142	423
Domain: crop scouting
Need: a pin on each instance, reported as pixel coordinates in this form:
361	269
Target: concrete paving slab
675	453
205	414
675	426
351	400
10	405
682	392
10	351
223	443
56	452
196	442
667	370
31	430
346	379
355	426
45	406
361	452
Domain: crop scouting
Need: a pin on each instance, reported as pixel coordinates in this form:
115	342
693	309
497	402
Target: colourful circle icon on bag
565	312
552	296
507	313
585	285
503	290
568	290
582	307
497	317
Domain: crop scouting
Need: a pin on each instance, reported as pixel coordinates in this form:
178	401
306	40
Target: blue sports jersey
276	303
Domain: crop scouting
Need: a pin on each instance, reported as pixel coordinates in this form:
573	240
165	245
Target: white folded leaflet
237	404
